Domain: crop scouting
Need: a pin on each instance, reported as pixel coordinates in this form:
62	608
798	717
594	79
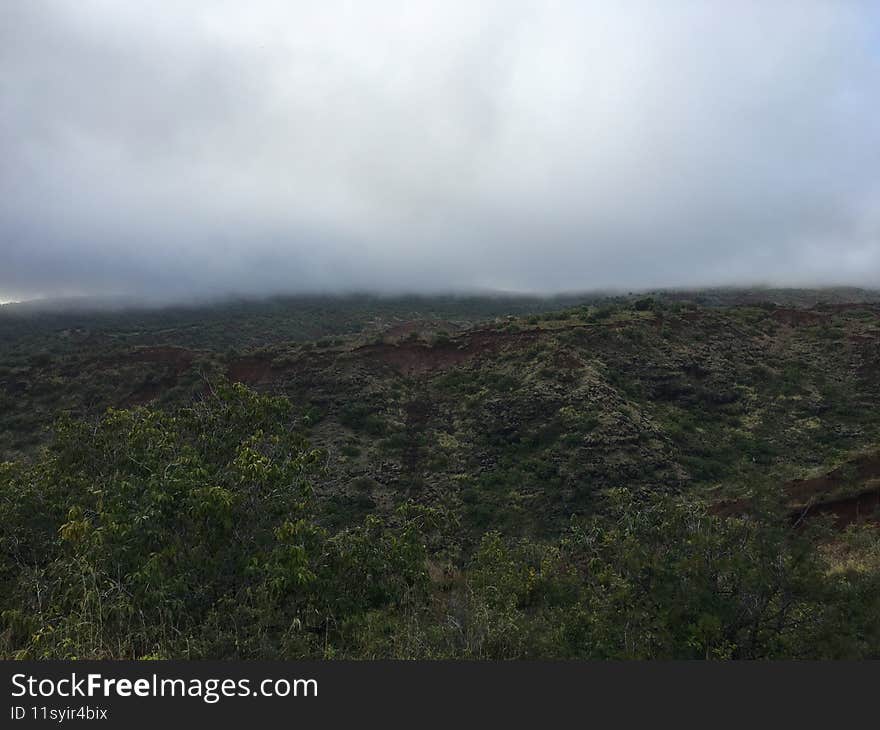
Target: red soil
863	507
145	393
178	359
415	358
868	306
250	370
810	497
403	329
862	469
797	317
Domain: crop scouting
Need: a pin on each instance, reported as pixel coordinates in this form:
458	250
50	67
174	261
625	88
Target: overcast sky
173	148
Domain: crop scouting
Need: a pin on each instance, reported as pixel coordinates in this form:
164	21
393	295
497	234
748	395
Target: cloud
173	149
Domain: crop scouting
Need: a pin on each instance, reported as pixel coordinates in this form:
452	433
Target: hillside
520	426
517	422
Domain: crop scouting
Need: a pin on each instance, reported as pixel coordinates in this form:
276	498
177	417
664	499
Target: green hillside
638	476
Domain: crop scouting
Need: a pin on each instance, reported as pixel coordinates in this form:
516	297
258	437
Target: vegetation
645	478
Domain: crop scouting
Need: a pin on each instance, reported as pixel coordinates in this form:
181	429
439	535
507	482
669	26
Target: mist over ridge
198	151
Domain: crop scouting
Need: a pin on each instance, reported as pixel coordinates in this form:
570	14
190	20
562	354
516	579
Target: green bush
196	533
186	534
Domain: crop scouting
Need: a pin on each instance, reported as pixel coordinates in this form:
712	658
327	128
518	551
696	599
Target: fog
168	150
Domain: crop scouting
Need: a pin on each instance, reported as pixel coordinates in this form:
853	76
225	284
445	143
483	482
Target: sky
170	149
